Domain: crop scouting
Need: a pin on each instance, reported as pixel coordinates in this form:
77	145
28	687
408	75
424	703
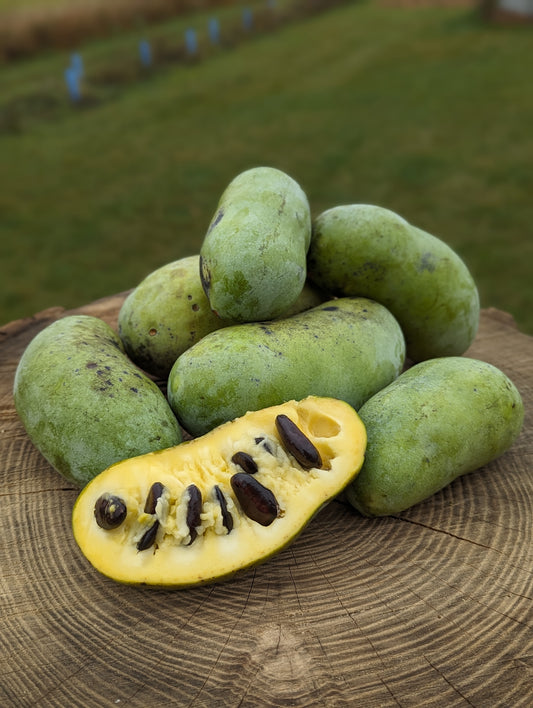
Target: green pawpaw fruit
84	404
347	348
215	505
369	251
168	312
253	257
439	420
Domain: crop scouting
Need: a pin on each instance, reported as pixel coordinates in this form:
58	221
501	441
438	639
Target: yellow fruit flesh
333	427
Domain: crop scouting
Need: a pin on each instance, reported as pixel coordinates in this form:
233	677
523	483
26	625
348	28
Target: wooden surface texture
430	608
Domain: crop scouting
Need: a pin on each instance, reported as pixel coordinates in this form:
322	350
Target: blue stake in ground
76	63
72	80
191	43
73	75
213	28
145	53
247	19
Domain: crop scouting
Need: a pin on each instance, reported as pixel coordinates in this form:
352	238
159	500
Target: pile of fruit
303	357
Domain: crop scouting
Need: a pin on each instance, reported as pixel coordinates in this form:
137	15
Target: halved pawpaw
207	508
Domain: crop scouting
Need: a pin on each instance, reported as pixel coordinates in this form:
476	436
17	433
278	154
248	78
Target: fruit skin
215	555
168	312
438	421
347	348
164	315
84	404
253	257
360	249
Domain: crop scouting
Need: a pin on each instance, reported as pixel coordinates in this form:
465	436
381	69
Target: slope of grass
423	111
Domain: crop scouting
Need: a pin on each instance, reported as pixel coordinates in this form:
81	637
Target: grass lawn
424	111
8	5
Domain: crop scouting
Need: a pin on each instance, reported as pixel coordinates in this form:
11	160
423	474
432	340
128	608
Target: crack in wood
440	673
447	533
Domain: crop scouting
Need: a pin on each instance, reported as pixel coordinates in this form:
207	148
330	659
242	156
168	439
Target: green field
8	5
425	111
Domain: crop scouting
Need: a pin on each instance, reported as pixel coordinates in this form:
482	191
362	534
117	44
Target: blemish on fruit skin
217	219
427	262
135	390
91	365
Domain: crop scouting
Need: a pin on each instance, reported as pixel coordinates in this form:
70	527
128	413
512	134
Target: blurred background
122	121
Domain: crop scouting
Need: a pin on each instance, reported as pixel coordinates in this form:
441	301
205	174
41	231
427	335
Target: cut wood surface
433	607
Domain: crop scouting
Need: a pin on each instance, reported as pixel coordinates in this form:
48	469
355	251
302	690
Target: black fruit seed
245	461
227	518
256	500
148	538
297	443
109	511
194	509
156	490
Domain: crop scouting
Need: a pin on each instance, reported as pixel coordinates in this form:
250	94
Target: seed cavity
227	518
297	443
194	509
265	443
245	461
257	501
109	511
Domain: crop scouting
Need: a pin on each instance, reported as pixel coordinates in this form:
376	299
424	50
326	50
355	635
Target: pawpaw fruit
347	348
215	505
84	404
168	312
368	251
439	420
253	257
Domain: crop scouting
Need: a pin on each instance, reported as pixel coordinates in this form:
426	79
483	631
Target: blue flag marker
191	42
145	53
214	30
72	80
247	19
76	63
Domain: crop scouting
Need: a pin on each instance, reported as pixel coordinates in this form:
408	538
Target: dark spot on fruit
135	390
152	332
331	308
217	219
427	262
195	307
91	365
205	276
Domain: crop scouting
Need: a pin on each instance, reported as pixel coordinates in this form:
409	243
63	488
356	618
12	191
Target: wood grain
430	608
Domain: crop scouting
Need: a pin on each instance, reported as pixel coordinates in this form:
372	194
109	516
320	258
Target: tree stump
432	607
